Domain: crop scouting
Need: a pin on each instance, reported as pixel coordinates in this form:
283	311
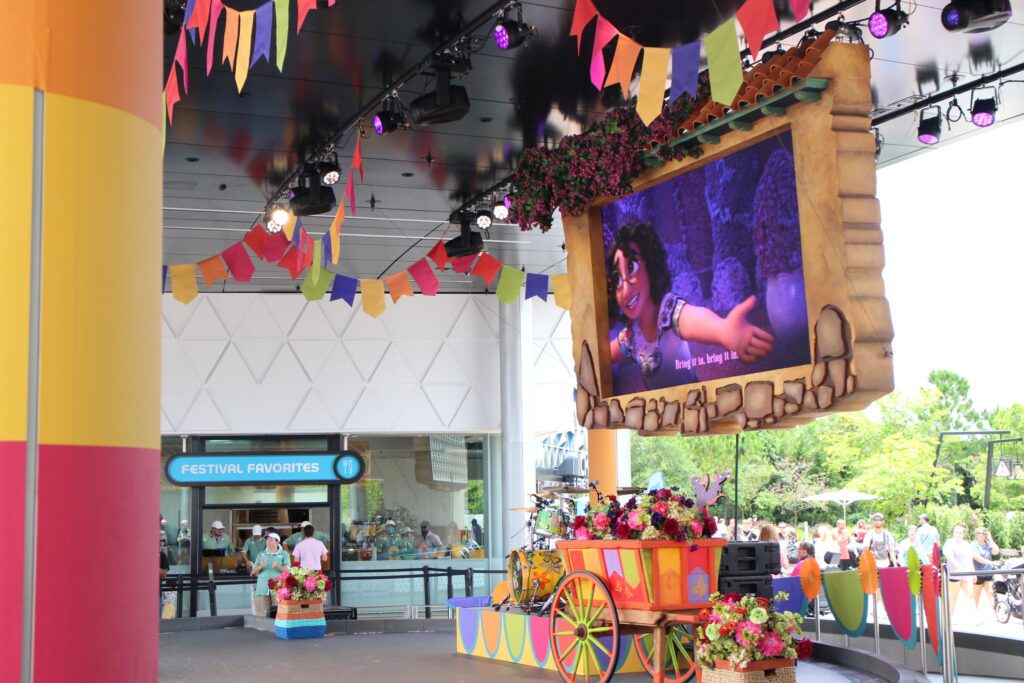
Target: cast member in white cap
298	537
217	539
254	545
269	564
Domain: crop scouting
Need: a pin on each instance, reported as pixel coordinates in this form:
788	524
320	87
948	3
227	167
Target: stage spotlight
887	22
500	211
929	129
276	218
387	121
975	16
467	243
983	112
310	197
510	34
484	219
445	104
329	171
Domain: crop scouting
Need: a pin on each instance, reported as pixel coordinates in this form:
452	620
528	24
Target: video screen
705	273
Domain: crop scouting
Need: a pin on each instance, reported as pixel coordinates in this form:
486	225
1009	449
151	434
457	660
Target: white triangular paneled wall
275	363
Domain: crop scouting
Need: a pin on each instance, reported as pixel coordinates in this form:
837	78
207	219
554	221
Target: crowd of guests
841	547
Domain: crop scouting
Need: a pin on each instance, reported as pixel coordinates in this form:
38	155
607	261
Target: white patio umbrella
842	496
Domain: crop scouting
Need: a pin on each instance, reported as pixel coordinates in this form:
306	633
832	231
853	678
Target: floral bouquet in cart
300	607
301	584
658	515
745	632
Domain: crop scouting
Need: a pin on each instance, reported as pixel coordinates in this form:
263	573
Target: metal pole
922	641
736	494
469	582
213	593
874	609
817	618
988	475
426	590
948	673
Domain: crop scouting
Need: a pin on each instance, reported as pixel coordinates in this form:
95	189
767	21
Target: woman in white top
959	558
825	548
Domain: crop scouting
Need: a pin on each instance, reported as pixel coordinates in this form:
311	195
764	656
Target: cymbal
529	509
549	495
567	489
630	489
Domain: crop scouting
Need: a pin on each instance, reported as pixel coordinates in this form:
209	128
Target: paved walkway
241	654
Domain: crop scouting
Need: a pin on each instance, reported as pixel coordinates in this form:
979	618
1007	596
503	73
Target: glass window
175	503
240	495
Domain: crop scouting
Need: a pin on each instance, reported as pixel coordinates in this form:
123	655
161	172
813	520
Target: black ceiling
226	153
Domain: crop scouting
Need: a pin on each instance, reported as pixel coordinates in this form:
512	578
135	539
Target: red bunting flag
256	239
304	8
357	158
290	262
200	15
439	255
216	7
212	269
181	59
350	192
424	276
239	263
462	264
171	94
757	18
799	8
581	16
275	247
602	36
487	267
306	245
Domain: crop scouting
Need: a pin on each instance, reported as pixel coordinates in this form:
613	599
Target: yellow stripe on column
15	257
100	355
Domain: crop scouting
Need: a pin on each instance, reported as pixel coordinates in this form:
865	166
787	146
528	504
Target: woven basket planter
300	619
764	671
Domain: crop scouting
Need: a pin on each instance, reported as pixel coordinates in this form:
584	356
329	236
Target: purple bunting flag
190	7
685	65
537	285
264	21
297	235
326	239
344	287
163	281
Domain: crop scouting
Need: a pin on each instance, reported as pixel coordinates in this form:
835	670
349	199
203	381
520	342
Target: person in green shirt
298	537
254	545
217	539
389	545
269	564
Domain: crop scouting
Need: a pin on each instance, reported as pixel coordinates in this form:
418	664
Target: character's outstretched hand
749	341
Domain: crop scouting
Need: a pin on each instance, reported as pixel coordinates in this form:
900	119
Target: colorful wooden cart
653	590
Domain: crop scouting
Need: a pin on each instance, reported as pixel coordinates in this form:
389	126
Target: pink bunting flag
181	59
171	94
757	18
357	158
602	36
799	8
462	264
581	16
239	263
304	7
424	276
487	267
216	7
275	247
350	192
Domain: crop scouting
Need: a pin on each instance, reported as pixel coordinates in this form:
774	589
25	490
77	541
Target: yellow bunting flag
183	282
653	73
623	63
725	70
289	226
560	287
373	297
335	231
281	19
244	47
399	285
230	36
213	270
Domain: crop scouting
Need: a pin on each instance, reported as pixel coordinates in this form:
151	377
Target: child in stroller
1007	592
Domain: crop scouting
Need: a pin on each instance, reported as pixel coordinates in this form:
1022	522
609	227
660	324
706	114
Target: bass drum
526	567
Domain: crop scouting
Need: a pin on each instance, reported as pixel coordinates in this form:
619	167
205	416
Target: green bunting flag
509	283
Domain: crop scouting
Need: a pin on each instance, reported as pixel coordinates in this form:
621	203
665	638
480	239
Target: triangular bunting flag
509	284
398	285
256	239
581	16
280	30
724	62
325	239
163	279
685	65
350	192
602	36
537	286
462	264
487	267
264	19
275	247
245	20
290	262
304	7
212	269
560	288
216	7
373	297
200	15
757	18
315	285
653	73
623	63
344	288
183	282
424	276
357	158
289	227
230	37
318	260
439	255
335	232
239	263
171	94
181	59
799	8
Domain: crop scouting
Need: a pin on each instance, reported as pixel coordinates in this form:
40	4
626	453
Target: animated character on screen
658	323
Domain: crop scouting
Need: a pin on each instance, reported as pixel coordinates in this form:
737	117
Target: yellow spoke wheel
584	630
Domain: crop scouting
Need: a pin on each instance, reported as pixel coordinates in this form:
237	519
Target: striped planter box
300	619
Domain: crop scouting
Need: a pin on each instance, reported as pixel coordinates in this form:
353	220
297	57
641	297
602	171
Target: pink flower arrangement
310	583
659	515
635	521
601	521
771	645
300	584
748	634
284	593
661	508
745	628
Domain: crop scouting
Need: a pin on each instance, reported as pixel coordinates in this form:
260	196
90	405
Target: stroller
1007	593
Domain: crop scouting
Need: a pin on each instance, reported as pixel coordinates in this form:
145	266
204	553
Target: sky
953	225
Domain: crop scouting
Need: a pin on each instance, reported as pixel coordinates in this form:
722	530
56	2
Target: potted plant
743	639
300	606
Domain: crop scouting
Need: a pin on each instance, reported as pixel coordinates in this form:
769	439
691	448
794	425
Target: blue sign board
226	469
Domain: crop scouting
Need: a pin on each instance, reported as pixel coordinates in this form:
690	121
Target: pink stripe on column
12	512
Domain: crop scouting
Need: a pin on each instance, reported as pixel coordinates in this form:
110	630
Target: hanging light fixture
887	22
499	210
511	33
277	217
329	170
484	219
390	118
929	128
983	111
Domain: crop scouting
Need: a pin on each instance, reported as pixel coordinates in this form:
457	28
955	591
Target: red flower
710	525
670	527
663	494
579	522
622	531
764	602
804	648
735	597
614	499
704	614
741	610
295	563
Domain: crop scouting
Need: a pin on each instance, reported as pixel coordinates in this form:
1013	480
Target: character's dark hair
640	240
308	530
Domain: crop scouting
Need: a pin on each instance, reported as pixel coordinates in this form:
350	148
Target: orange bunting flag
357	158
304	7
487	267
373	297
335	232
439	255
623	63
213	270
581	16
245	20
653	74
183	282
868	570
230	37
810	578
398	285
289	227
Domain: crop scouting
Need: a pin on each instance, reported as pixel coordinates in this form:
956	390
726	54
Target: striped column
80	89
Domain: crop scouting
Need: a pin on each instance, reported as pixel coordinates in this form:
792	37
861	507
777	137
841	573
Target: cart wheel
584	629
1002	612
680	663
